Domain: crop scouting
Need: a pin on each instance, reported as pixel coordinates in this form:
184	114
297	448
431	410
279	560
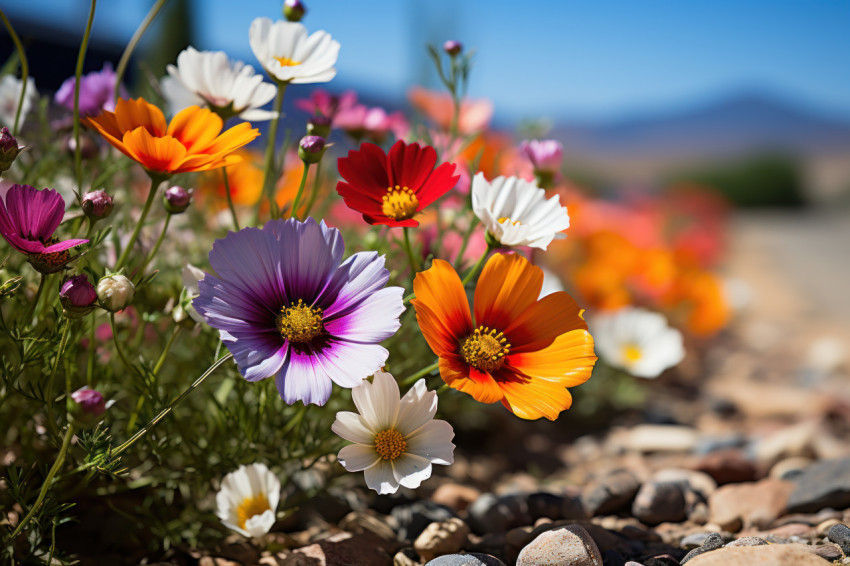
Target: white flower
396	441
210	78
516	212
191	277
10	93
115	292
248	500
288	54
637	340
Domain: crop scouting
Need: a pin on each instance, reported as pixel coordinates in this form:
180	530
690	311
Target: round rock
567	546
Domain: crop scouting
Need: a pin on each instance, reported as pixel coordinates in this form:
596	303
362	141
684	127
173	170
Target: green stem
156	246
31	311
92	350
134	41
229	198
292	212
118	349
268	168
141	402
411	258
409	298
50	380
165	351
459	259
155	182
477	267
410	380
81	56
442	389
315	192
57	465
162	414
25	70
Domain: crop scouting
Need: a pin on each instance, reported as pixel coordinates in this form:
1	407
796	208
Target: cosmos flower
97	92
638	341
285	307
289	55
519	350
360	121
248	499
323	103
395	441
10	93
545	155
392	188
516	212
438	107
193	141
210	78
28	219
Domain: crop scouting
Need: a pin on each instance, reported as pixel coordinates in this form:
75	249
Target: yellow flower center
299	322
485	349
631	353
287	62
508	219
390	444
251	507
399	203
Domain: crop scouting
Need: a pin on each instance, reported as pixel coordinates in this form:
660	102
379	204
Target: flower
9	149
245	180
86	407
10	94
193	141
545	155
97	92
248	499
323	103
360	121
311	149
228	87
638	341
28	219
177	199
288	54
438	107
516	212
77	296
97	204
452	47
115	292
519	350
391	188
294	10
285	307
191	276
395	441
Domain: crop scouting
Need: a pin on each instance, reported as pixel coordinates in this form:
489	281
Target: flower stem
477	267
315	192
50	380
118	349
459	259
92	349
411	258
25	70
81	56
31	311
134	41
268	168
410	380
155	182
292	212
162	414
45	487
229	198
156	246
141	402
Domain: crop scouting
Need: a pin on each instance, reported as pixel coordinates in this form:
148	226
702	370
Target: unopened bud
294	10
97	204
452	47
311	149
319	126
177	199
86	407
77	296
115	292
9	149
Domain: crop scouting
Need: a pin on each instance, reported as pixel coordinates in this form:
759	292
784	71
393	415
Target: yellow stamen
631	353
390	444
299	323
400	203
287	62
485	349
251	507
508	219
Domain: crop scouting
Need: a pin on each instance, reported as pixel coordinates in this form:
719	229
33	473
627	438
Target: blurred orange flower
438	107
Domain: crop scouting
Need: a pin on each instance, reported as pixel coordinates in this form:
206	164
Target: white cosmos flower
248	500
396	441
10	94
288	54
191	277
516	212
637	340
210	78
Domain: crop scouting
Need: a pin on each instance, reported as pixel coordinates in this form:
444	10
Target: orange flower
193	141
245	179
521	351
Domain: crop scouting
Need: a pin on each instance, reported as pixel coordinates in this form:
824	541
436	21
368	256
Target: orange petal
458	375
196	128
544	321
508	285
106	124
232	139
445	317
535	398
131	114
206	162
568	361
157	154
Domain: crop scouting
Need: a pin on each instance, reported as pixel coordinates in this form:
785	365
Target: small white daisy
516	212
396	441
210	78
637	340
10	94
288	54
248	499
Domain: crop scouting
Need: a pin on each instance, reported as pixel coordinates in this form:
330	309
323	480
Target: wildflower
10	94
311	149
289	55
177	199
294	10
516	212
395	441
638	341
193	141
9	149
452	47
97	92
77	296
323	103
375	124
115	292
248	499
392	188
230	88
28	219
438	107
545	155
86	407
285	307
519	350
97	204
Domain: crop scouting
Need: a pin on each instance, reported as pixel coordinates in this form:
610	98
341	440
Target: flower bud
9	149
319	126
311	149
294	10
97	205
77	296
86	407
115	292
8	288
177	199
452	47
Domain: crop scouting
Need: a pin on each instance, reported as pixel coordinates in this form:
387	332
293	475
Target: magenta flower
545	155
285	307
28	219
323	103
90	401
97	92
374	124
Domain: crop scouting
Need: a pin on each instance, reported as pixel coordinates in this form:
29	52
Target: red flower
391	188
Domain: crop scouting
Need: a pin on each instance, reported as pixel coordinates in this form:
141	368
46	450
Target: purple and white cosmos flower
285	307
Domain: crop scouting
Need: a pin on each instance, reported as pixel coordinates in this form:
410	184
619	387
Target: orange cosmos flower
519	350
193	141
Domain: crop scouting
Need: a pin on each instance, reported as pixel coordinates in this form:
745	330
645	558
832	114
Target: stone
368	521
568	546
491	513
788	441
661	560
727	466
840	535
823	484
610	493
341	548
822	529
791	531
472	559
455	496
768	555
413	518
696	481
217	561
614	558
444	537
662	438
789	468
747	541
659	502
750	504
633	563
712	542
406	557
543	504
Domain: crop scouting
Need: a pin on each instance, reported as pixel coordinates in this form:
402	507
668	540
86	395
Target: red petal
441	181
366	170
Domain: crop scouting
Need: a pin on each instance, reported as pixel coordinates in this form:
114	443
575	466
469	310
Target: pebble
568	546
658	502
789	468
368	521
444	537
747	541
491	513
661	560
840	535
413	518
406	557
727	466
749	504
662	438
473	559
823	529
341	548
455	496
768	555
694	540
610	493
712	542
823	484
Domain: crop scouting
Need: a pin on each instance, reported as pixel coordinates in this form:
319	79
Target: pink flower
545	155
326	104
374	124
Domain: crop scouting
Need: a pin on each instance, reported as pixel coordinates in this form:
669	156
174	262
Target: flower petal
380	477
378	402
418	407
434	442
353	428
445	318
411	470
508	285
458	375
357	457
302	378
535	398
543	321
568	360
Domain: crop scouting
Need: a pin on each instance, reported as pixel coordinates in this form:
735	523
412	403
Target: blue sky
571	58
